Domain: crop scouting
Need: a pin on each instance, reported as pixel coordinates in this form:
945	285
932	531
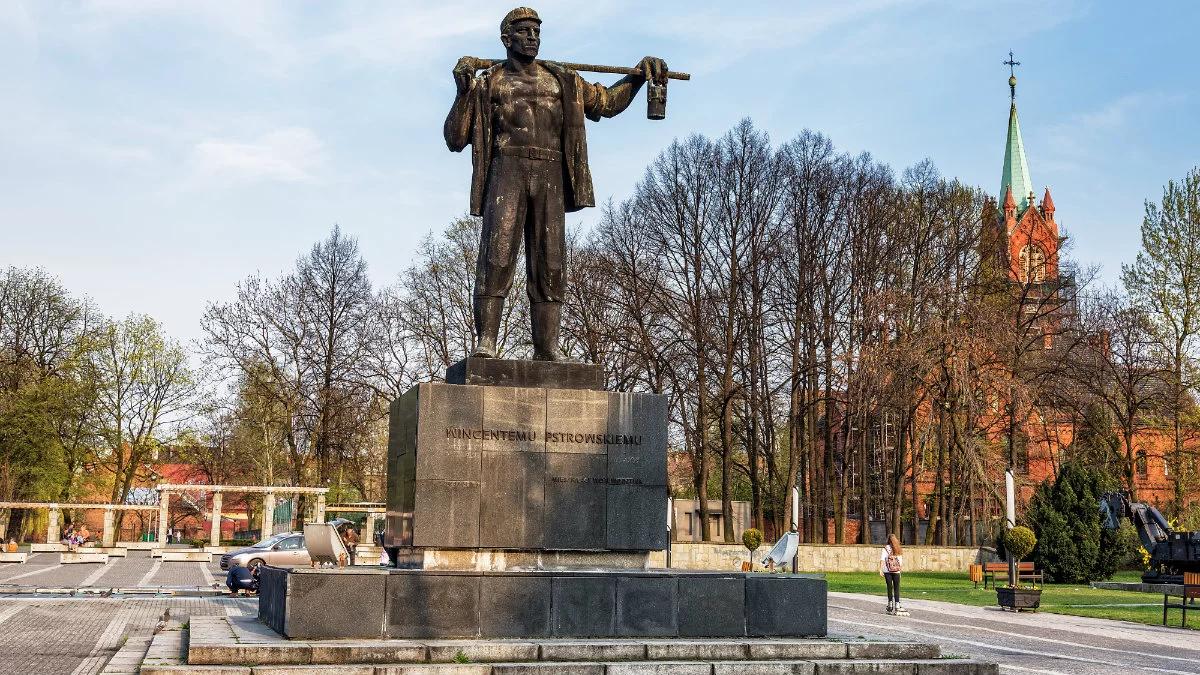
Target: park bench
1025	572
1188	600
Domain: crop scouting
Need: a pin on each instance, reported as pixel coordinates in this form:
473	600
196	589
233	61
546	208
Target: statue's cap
518	14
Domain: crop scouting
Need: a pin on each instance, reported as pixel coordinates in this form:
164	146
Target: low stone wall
823	557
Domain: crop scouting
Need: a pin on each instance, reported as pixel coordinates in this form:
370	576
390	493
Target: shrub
1072	544
752	539
1019	541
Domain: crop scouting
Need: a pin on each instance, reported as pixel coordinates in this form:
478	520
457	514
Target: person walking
891	560
351	541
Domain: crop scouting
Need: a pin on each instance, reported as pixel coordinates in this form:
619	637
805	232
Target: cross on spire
1012	75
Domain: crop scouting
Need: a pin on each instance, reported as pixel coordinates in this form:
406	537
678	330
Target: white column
52	526
164	517
368	534
319	511
108	536
214	534
268	515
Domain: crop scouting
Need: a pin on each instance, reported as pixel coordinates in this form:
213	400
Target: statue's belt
529	152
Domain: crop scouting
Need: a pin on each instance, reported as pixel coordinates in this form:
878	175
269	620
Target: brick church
1023	236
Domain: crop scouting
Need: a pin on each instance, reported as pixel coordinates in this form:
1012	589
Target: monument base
525	373
305	603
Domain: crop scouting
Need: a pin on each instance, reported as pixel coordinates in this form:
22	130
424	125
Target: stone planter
1019	598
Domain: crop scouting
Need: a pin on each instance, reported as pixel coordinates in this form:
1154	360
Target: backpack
892	562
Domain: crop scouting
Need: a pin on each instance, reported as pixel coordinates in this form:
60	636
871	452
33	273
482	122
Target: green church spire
1016	167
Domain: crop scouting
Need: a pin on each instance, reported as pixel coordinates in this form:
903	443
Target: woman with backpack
891	560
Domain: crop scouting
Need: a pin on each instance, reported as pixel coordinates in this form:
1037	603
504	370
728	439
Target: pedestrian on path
891	560
351	541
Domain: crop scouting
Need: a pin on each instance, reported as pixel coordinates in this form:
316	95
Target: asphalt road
1028	642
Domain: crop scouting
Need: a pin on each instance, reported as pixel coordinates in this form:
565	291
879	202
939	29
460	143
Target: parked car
281	550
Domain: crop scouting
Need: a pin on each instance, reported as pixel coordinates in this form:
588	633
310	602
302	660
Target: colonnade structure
165	490
54	511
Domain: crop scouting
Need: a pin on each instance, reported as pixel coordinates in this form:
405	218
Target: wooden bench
1189	599
1025	572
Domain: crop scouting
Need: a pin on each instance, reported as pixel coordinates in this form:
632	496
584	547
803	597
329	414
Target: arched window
1032	264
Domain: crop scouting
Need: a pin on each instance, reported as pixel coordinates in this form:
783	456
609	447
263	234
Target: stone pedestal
513	373
525	502
527	469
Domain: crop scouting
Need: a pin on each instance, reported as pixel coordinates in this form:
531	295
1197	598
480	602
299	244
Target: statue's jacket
470	121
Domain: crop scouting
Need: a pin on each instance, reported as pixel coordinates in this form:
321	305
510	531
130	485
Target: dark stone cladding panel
583	606
512	499
786	606
644	417
349	601
712	606
647	606
522	373
519	410
401	469
572	414
272	598
440	456
576	501
432	605
514	606
637	518
446	514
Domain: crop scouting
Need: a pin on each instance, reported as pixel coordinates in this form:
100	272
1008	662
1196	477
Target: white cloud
288	155
1106	131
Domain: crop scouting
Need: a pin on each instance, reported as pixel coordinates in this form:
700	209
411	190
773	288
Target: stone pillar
268	515
319	511
53	535
164	517
108	536
367	536
214	534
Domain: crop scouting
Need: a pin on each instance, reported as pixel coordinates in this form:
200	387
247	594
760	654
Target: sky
155	152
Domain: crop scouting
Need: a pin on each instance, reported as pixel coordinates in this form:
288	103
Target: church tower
1029	228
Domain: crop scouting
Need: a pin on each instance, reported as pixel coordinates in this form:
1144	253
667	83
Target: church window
1032	264
1142	468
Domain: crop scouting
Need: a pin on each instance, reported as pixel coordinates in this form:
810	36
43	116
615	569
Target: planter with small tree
751	539
1019	542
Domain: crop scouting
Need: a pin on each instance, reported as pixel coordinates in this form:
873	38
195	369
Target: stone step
219	640
820	667
222	645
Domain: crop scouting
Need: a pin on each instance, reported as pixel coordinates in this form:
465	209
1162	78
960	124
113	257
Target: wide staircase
218	645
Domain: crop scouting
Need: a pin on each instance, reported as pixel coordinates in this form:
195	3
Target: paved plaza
136	570
44	629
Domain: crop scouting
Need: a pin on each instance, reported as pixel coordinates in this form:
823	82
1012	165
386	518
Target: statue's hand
653	69
464	72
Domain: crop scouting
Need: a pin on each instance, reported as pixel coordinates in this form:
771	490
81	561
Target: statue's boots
546	319
487	325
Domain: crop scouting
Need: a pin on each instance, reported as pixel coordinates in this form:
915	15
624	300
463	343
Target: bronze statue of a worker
524	121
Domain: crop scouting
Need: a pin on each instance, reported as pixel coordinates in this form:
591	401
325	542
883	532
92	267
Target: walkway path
1025	642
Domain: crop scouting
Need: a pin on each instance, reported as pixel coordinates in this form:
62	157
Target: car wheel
254	563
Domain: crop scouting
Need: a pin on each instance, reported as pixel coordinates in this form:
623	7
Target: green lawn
1056	598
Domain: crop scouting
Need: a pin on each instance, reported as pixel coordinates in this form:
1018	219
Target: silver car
281	550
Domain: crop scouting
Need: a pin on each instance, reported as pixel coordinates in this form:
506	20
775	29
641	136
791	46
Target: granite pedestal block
400	604
526	468
523	373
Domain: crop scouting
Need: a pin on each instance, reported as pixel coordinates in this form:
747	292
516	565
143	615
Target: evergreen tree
1072	545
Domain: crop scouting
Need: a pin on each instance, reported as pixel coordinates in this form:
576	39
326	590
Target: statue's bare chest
527	108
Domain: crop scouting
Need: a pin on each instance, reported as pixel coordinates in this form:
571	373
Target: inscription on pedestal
527	468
